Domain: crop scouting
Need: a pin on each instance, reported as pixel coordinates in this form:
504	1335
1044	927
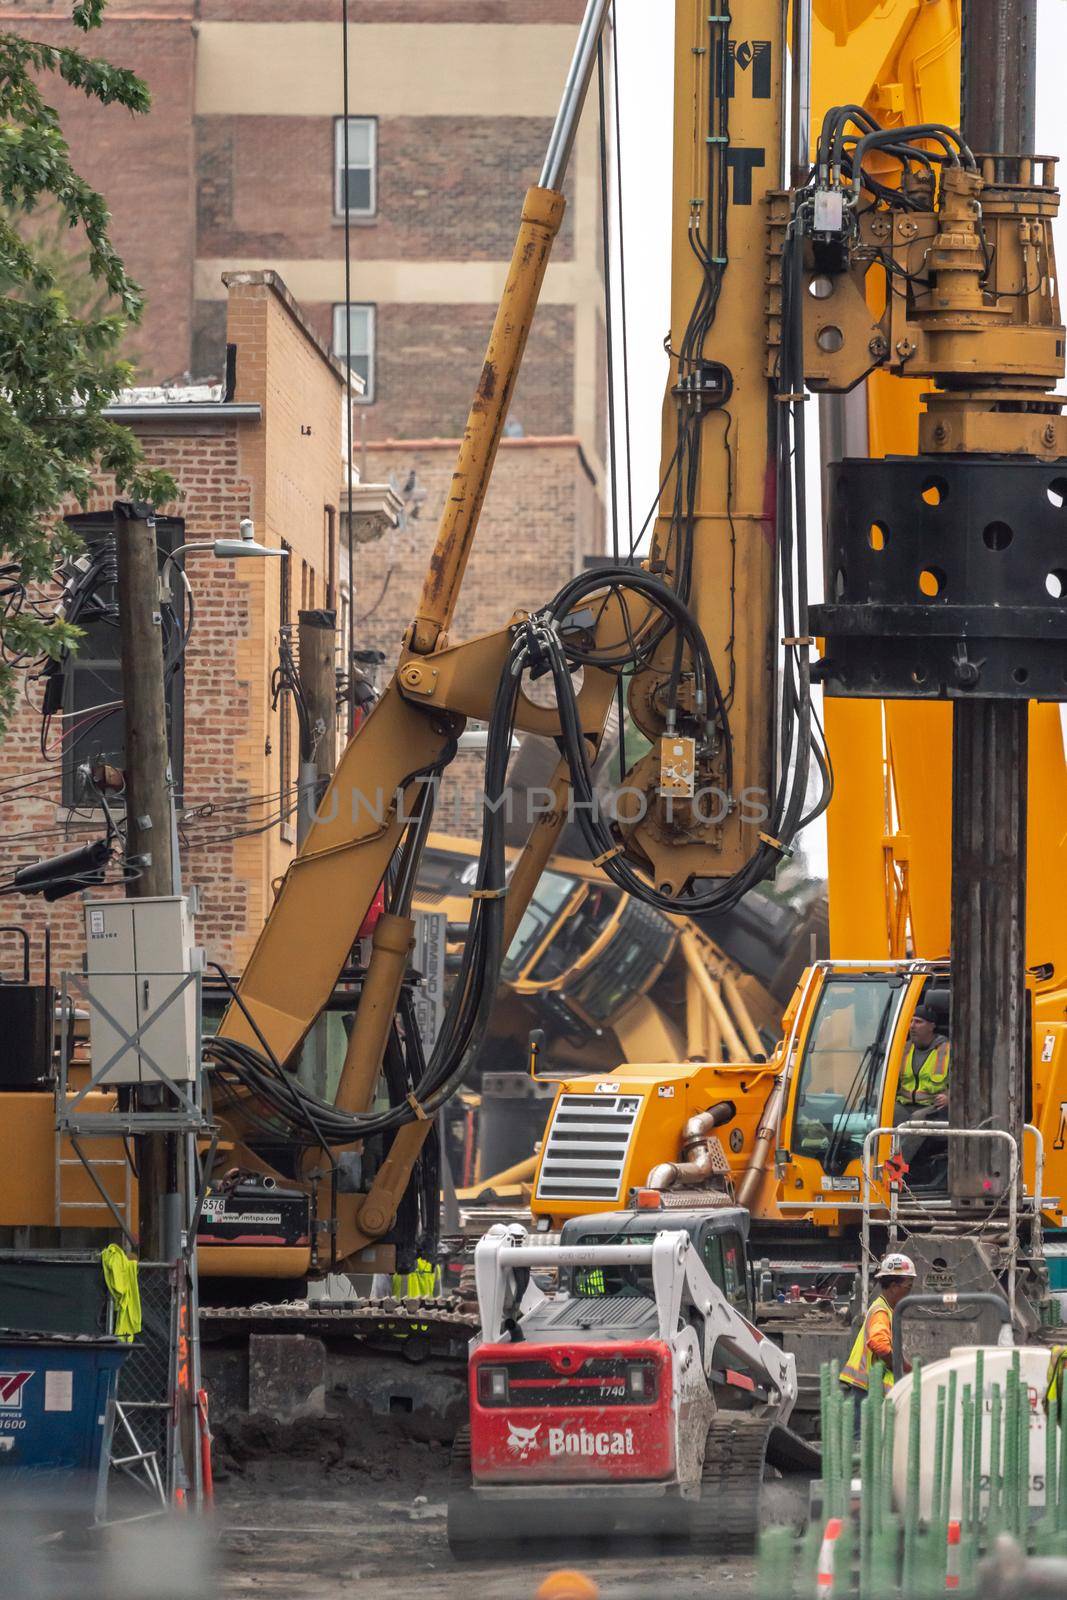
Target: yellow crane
836	1076
885	254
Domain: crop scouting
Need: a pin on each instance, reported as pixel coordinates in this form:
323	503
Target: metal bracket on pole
189	1117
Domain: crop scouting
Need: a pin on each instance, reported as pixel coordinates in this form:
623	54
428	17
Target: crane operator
922	1092
924	1071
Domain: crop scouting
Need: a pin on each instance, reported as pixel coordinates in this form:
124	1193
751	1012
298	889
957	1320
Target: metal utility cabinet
141	964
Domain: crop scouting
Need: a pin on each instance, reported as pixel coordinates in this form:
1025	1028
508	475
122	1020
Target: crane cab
795	1135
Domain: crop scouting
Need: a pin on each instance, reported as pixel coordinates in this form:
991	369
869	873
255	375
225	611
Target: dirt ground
364	1508
384	1543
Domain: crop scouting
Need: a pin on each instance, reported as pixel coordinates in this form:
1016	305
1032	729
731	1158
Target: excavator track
466	1538
727	1515
442	1325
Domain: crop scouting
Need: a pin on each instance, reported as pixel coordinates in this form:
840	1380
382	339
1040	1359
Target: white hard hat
896	1266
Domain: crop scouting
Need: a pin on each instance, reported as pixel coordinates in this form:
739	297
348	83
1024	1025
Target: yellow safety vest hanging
857	1367
924	1086
120	1275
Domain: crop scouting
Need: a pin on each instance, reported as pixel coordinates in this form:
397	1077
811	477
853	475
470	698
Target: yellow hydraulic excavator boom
694	629
897	255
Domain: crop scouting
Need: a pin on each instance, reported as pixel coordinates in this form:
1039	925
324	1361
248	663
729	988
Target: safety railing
939	1131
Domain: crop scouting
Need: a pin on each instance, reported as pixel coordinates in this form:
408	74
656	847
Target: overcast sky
646	64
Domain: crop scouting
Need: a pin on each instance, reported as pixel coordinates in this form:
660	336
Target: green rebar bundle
775	1572
993	1512
976	1460
911	1493
885	1554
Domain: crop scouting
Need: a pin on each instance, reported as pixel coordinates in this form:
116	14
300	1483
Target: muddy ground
322	1510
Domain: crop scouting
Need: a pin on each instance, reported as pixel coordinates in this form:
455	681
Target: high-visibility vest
1057	1364
923	1086
416	1285
856	1368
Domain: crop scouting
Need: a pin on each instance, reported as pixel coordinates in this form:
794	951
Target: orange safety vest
921	1087
856	1369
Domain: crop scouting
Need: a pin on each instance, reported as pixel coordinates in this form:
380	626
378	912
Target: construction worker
924	1071
895	1279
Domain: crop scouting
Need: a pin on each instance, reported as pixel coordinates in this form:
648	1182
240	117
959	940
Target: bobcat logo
522	1440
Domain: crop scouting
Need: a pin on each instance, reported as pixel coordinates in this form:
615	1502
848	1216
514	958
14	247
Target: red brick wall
217	706
143	166
513	11
449	189
429	358
541	518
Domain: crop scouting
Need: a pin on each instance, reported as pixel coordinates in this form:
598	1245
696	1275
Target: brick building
272	452
240	164
239	170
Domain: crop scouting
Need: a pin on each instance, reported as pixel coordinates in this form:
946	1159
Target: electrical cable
349	431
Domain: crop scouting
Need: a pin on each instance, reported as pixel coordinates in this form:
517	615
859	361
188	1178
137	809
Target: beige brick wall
293	465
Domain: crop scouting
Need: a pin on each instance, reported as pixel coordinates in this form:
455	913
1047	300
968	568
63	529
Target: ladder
71	1211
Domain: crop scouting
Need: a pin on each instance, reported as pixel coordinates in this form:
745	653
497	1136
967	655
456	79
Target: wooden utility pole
148	813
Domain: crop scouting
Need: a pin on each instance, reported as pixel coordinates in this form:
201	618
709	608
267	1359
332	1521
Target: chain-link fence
145	1382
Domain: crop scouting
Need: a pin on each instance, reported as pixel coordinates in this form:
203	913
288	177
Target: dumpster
55	1417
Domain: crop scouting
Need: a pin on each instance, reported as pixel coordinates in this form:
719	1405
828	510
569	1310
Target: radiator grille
586	1149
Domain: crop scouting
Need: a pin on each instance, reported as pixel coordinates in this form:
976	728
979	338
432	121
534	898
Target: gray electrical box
138	955
428	958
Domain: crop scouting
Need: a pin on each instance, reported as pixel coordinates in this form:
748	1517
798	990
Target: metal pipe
749	1032
579	77
800	94
698	1166
696	1020
766	1134
716	1004
1036	1234
404	888
542	215
988	1027
999	75
391	946
990	737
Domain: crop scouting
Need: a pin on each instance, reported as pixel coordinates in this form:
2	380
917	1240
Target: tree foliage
60	362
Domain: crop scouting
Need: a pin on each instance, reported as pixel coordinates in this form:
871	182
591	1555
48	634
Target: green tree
60	365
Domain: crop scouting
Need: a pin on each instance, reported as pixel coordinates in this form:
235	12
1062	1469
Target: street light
227	549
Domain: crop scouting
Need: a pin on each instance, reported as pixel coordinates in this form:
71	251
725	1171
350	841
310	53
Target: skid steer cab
633	1395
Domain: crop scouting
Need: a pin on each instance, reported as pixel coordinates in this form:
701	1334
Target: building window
355	186
93	721
361	324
